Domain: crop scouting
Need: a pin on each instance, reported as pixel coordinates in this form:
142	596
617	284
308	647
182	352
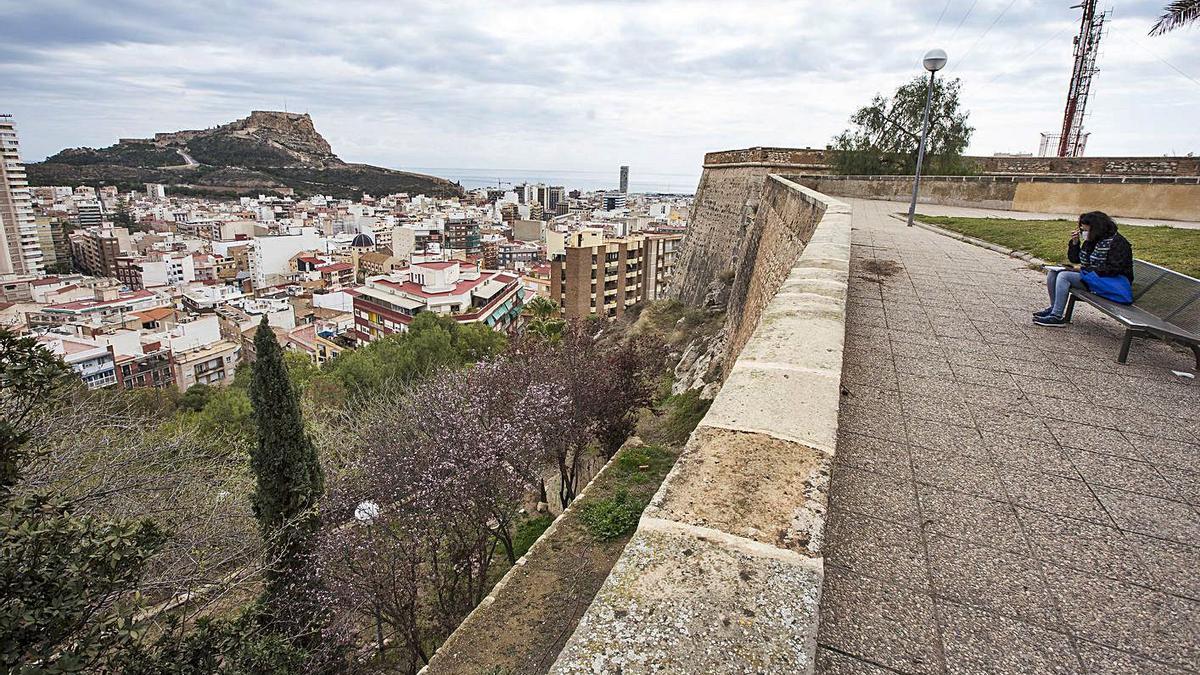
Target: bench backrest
1173	297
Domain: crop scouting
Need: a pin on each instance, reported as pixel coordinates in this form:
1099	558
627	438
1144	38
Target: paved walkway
972	212
1005	498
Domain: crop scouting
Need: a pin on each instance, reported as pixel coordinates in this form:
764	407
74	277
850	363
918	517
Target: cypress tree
288	482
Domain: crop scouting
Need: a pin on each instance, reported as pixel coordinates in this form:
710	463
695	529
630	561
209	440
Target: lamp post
935	60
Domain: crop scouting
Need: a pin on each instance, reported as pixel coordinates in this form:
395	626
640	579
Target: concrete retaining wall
724	572
1168	198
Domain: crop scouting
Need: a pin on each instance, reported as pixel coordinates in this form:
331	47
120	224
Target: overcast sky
577	85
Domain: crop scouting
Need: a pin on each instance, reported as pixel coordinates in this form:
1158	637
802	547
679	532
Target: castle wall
1168	198
724	572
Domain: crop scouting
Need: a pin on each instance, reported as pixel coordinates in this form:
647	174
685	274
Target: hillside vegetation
264	152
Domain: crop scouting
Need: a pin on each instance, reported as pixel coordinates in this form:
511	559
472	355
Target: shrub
612	517
528	532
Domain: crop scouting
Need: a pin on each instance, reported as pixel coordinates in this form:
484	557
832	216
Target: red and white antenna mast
1087	44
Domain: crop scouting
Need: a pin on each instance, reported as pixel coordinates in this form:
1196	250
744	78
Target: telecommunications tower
1072	140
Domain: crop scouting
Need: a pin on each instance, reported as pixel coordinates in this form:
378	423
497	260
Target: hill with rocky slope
267	151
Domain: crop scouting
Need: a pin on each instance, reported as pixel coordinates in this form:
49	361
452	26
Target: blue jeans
1058	282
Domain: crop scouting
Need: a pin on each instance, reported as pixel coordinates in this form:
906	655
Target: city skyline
652	85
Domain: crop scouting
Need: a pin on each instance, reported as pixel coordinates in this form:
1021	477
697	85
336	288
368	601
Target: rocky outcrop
264	151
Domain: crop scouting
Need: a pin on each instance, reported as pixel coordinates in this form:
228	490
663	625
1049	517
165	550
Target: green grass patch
1176	248
682	413
644	464
613	516
528	532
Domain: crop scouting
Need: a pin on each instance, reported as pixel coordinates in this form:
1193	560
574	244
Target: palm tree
544	319
1176	15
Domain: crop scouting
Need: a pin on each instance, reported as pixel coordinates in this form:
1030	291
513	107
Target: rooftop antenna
1072	140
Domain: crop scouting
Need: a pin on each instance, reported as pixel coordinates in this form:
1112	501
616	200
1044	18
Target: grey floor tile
1151	515
982	642
1186	483
876	548
1128	617
976	519
1099	549
874	495
1121	472
1054	494
1167	452
1081	436
1169	566
962	473
948	438
1103	660
831	662
877	622
1028	454
873	454
996	581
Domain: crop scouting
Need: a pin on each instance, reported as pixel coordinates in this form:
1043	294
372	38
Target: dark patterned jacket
1107	257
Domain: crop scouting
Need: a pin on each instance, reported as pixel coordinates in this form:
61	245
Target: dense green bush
614	516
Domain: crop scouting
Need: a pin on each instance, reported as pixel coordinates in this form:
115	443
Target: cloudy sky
577	85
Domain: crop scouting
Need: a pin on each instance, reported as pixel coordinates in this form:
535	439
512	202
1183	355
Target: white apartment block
20	250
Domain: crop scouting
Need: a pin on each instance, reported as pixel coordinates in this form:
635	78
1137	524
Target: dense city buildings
159	290
387	304
594	274
20	252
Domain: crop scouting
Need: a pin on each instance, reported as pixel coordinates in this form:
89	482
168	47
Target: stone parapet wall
725	570
1165	197
783	223
817	160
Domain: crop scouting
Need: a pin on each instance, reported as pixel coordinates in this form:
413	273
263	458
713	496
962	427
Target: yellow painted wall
1130	200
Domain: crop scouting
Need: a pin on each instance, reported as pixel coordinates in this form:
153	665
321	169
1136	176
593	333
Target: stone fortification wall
783	223
1169	198
725	569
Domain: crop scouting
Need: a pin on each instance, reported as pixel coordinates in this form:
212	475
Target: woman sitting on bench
1105	261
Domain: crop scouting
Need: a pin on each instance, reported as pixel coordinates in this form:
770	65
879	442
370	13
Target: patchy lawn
1176	248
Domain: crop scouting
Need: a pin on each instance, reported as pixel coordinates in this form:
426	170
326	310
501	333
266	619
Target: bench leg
1125	346
1070	308
1196	353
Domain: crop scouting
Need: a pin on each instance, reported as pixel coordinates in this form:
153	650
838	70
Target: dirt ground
537	606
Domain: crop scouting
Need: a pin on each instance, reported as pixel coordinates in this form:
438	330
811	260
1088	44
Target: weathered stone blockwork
1170	198
725	570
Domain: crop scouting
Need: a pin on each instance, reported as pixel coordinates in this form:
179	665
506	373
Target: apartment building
591	274
20	250
95	250
387	304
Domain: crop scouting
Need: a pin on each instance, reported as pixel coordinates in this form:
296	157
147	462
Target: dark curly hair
1099	225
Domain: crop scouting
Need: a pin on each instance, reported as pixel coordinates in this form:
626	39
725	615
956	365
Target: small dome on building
363	240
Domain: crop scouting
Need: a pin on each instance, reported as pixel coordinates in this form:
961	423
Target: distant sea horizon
586	181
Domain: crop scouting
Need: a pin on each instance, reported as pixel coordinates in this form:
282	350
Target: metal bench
1166	305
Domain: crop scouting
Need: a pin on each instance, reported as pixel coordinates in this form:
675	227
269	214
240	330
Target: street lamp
935	60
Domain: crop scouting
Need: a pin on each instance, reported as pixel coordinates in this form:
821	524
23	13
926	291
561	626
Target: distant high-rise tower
20	252
625	180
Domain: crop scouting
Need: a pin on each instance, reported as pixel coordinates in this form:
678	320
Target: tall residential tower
20	252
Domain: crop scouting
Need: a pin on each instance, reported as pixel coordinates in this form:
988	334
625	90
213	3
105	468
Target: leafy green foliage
886	132
132	154
239	647
288	476
1176	248
528	532
28	374
67	583
195	398
432	342
613	516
